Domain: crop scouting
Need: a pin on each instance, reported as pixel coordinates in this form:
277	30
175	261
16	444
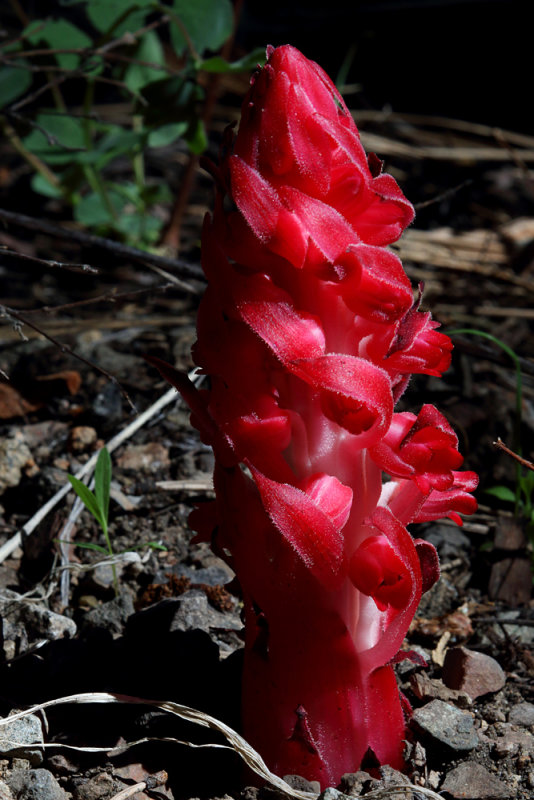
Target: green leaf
87	497
208	23
150	49
91	546
139	228
103	481
245	64
502	493
91	211
67	138
40	185
13	83
118	16
164	136
62	35
115	142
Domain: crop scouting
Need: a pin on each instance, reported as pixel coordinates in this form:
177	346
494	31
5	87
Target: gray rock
471	781
512	740
391	778
448	540
15	455
47	623
301	784
37	621
194	611
5	792
35	784
150	457
211	576
355	784
111	615
474	673
99	787
331	794
520	632
447	725
522	714
26	732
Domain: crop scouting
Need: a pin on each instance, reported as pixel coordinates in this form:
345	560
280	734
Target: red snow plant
309	332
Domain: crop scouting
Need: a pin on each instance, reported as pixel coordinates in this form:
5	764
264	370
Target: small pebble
471	781
474	673
82	438
522	714
27	732
35	784
447	725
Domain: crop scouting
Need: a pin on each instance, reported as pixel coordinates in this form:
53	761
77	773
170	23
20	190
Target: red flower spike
309	333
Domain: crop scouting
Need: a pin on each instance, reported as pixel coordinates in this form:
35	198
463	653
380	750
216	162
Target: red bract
310	332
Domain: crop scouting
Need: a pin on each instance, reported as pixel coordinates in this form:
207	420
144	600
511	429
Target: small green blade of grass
87	497
151	545
103	483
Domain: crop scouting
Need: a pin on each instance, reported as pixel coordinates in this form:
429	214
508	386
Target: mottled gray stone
35	784
331	794
5	792
446	724
356	783
301	784
14	456
26	732
194	611
522	714
111	615
37	621
471	781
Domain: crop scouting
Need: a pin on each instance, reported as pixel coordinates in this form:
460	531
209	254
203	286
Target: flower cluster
309	331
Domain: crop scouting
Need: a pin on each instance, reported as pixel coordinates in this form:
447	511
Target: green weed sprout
97	502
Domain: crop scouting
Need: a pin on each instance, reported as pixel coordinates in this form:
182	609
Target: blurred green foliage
151	55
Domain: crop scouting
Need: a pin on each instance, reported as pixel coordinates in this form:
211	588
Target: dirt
173	632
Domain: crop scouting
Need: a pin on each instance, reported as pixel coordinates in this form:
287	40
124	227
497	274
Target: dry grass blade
236	742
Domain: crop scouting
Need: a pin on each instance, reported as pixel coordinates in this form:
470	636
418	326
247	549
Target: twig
472	128
50	262
10	313
109	297
519	621
74	73
500	445
90	240
130	37
53	83
444	195
38	165
8	547
187	485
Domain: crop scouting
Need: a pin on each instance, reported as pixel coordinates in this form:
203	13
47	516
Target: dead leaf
13	404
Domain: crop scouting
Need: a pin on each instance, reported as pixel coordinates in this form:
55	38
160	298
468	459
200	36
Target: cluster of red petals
309	331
